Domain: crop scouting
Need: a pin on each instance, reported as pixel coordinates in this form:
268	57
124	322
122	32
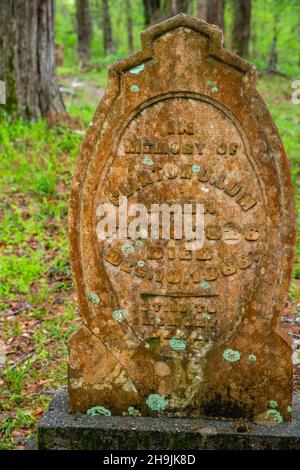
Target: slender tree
202	9
129	25
180	6
273	55
84	30
147	16
241	26
279	8
253	37
215	12
167	8
27	63
298	37
152	11
109	46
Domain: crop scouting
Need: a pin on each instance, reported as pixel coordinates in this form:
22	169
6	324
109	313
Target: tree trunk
109	47
84	30
27	60
241	26
180	6
253	38
167	8
273	57
202	9
215	12
147	18
129	25
152	11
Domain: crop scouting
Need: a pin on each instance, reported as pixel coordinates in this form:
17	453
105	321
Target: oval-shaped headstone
175	325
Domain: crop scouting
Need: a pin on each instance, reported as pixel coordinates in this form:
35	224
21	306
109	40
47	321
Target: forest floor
38	309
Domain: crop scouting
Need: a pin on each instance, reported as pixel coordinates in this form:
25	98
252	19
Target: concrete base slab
60	430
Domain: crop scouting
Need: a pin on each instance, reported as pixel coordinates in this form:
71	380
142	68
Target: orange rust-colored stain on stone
182	122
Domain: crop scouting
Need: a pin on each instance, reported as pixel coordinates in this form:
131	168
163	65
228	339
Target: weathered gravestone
186	333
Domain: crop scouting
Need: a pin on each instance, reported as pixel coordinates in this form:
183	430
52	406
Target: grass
277	93
37	303
36	295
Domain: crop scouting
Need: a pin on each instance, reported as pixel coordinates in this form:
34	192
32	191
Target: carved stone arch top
166	328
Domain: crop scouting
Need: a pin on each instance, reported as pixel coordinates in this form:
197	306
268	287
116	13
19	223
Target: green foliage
282	15
36	167
66	30
29	155
14	376
18	273
277	92
20	420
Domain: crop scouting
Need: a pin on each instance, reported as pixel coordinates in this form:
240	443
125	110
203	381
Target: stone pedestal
60	430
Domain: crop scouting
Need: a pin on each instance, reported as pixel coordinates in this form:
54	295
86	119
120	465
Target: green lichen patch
138	69
204	285
157	320
134	88
195	168
131	411
274	416
127	249
214	89
119	315
231	355
206	315
289	409
252	358
141	263
178	344
157	402
148	160
138	243
93	297
98	410
209	82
